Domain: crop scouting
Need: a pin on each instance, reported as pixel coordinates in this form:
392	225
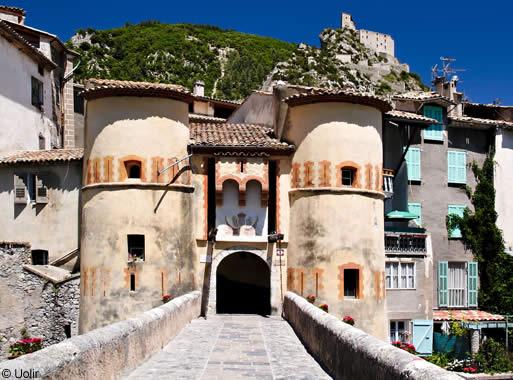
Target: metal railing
402	243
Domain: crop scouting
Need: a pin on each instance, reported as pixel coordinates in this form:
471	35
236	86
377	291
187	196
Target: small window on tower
39	257
135	248
348	177
133	169
351	280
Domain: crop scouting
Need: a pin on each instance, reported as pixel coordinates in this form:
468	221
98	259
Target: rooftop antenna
446	71
497	102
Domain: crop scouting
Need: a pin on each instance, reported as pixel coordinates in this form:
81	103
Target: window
348	176
455	233
413	164
29	188
133	169
40	70
132	282
39	257
42	142
78	101
400	275
398	331
37	93
434	131
135	248
457	167
457	284
416	208
351	280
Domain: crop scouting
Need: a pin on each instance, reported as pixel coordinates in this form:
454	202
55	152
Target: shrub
408	347
311	298
458	365
324	306
492	357
24	346
440	359
166	298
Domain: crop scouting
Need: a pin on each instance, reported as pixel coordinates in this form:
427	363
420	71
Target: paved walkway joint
232	347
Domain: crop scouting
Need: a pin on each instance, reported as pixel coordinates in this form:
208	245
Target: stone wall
28	301
349	353
106	352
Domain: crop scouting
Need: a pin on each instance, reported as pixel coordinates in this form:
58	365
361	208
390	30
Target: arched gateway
243	285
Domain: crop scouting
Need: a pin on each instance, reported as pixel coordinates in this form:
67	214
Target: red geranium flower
324	306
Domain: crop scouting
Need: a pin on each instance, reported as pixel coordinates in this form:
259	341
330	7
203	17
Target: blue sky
478	34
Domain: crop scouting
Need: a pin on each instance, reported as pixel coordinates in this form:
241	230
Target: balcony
388	183
402	243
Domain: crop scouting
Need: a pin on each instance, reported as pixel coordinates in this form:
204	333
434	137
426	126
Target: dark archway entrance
243	285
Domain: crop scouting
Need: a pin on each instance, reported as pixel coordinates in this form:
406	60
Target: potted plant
408	347
349	320
166	298
24	346
324	306
311	298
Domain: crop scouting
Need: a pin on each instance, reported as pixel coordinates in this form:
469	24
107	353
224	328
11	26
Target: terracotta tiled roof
409	116
211	136
423	96
466	120
216	100
315	95
197	118
465	315
21	43
98	88
39	156
18	11
498	106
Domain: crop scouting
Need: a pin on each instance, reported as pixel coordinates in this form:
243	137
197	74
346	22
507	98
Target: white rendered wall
503	179
253	208
21	122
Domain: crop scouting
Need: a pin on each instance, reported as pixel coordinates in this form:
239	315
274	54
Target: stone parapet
107	352
349	353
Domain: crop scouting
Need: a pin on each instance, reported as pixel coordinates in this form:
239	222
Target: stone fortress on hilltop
376	41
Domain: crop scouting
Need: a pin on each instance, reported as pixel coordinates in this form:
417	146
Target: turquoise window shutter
416	208
413	164
456	167
443	270
456	210
472	279
422	337
434	131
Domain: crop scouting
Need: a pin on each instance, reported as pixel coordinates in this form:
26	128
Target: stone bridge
173	342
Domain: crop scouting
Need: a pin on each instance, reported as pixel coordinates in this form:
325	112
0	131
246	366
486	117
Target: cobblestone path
232	347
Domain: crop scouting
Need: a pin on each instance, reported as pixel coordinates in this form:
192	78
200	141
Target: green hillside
232	64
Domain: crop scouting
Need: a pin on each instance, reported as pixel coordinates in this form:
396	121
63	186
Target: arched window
348	176
133	169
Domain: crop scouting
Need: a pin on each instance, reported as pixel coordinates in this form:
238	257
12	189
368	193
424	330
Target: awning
472	319
401	215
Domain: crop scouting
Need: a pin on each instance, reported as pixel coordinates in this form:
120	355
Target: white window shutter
41	191
20	190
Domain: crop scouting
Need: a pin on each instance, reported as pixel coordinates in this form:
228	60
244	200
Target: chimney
12	14
199	88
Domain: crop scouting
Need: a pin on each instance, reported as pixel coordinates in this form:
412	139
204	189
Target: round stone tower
336	238
137	243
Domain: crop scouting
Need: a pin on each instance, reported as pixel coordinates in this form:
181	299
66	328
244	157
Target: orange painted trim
352	165
294	175
107	169
123	175
278	205
324	173
379	178
205	198
368	176
308	169
359	291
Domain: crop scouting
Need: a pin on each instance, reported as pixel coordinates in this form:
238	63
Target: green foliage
182	54
482	236
440	359
457	329
493	358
